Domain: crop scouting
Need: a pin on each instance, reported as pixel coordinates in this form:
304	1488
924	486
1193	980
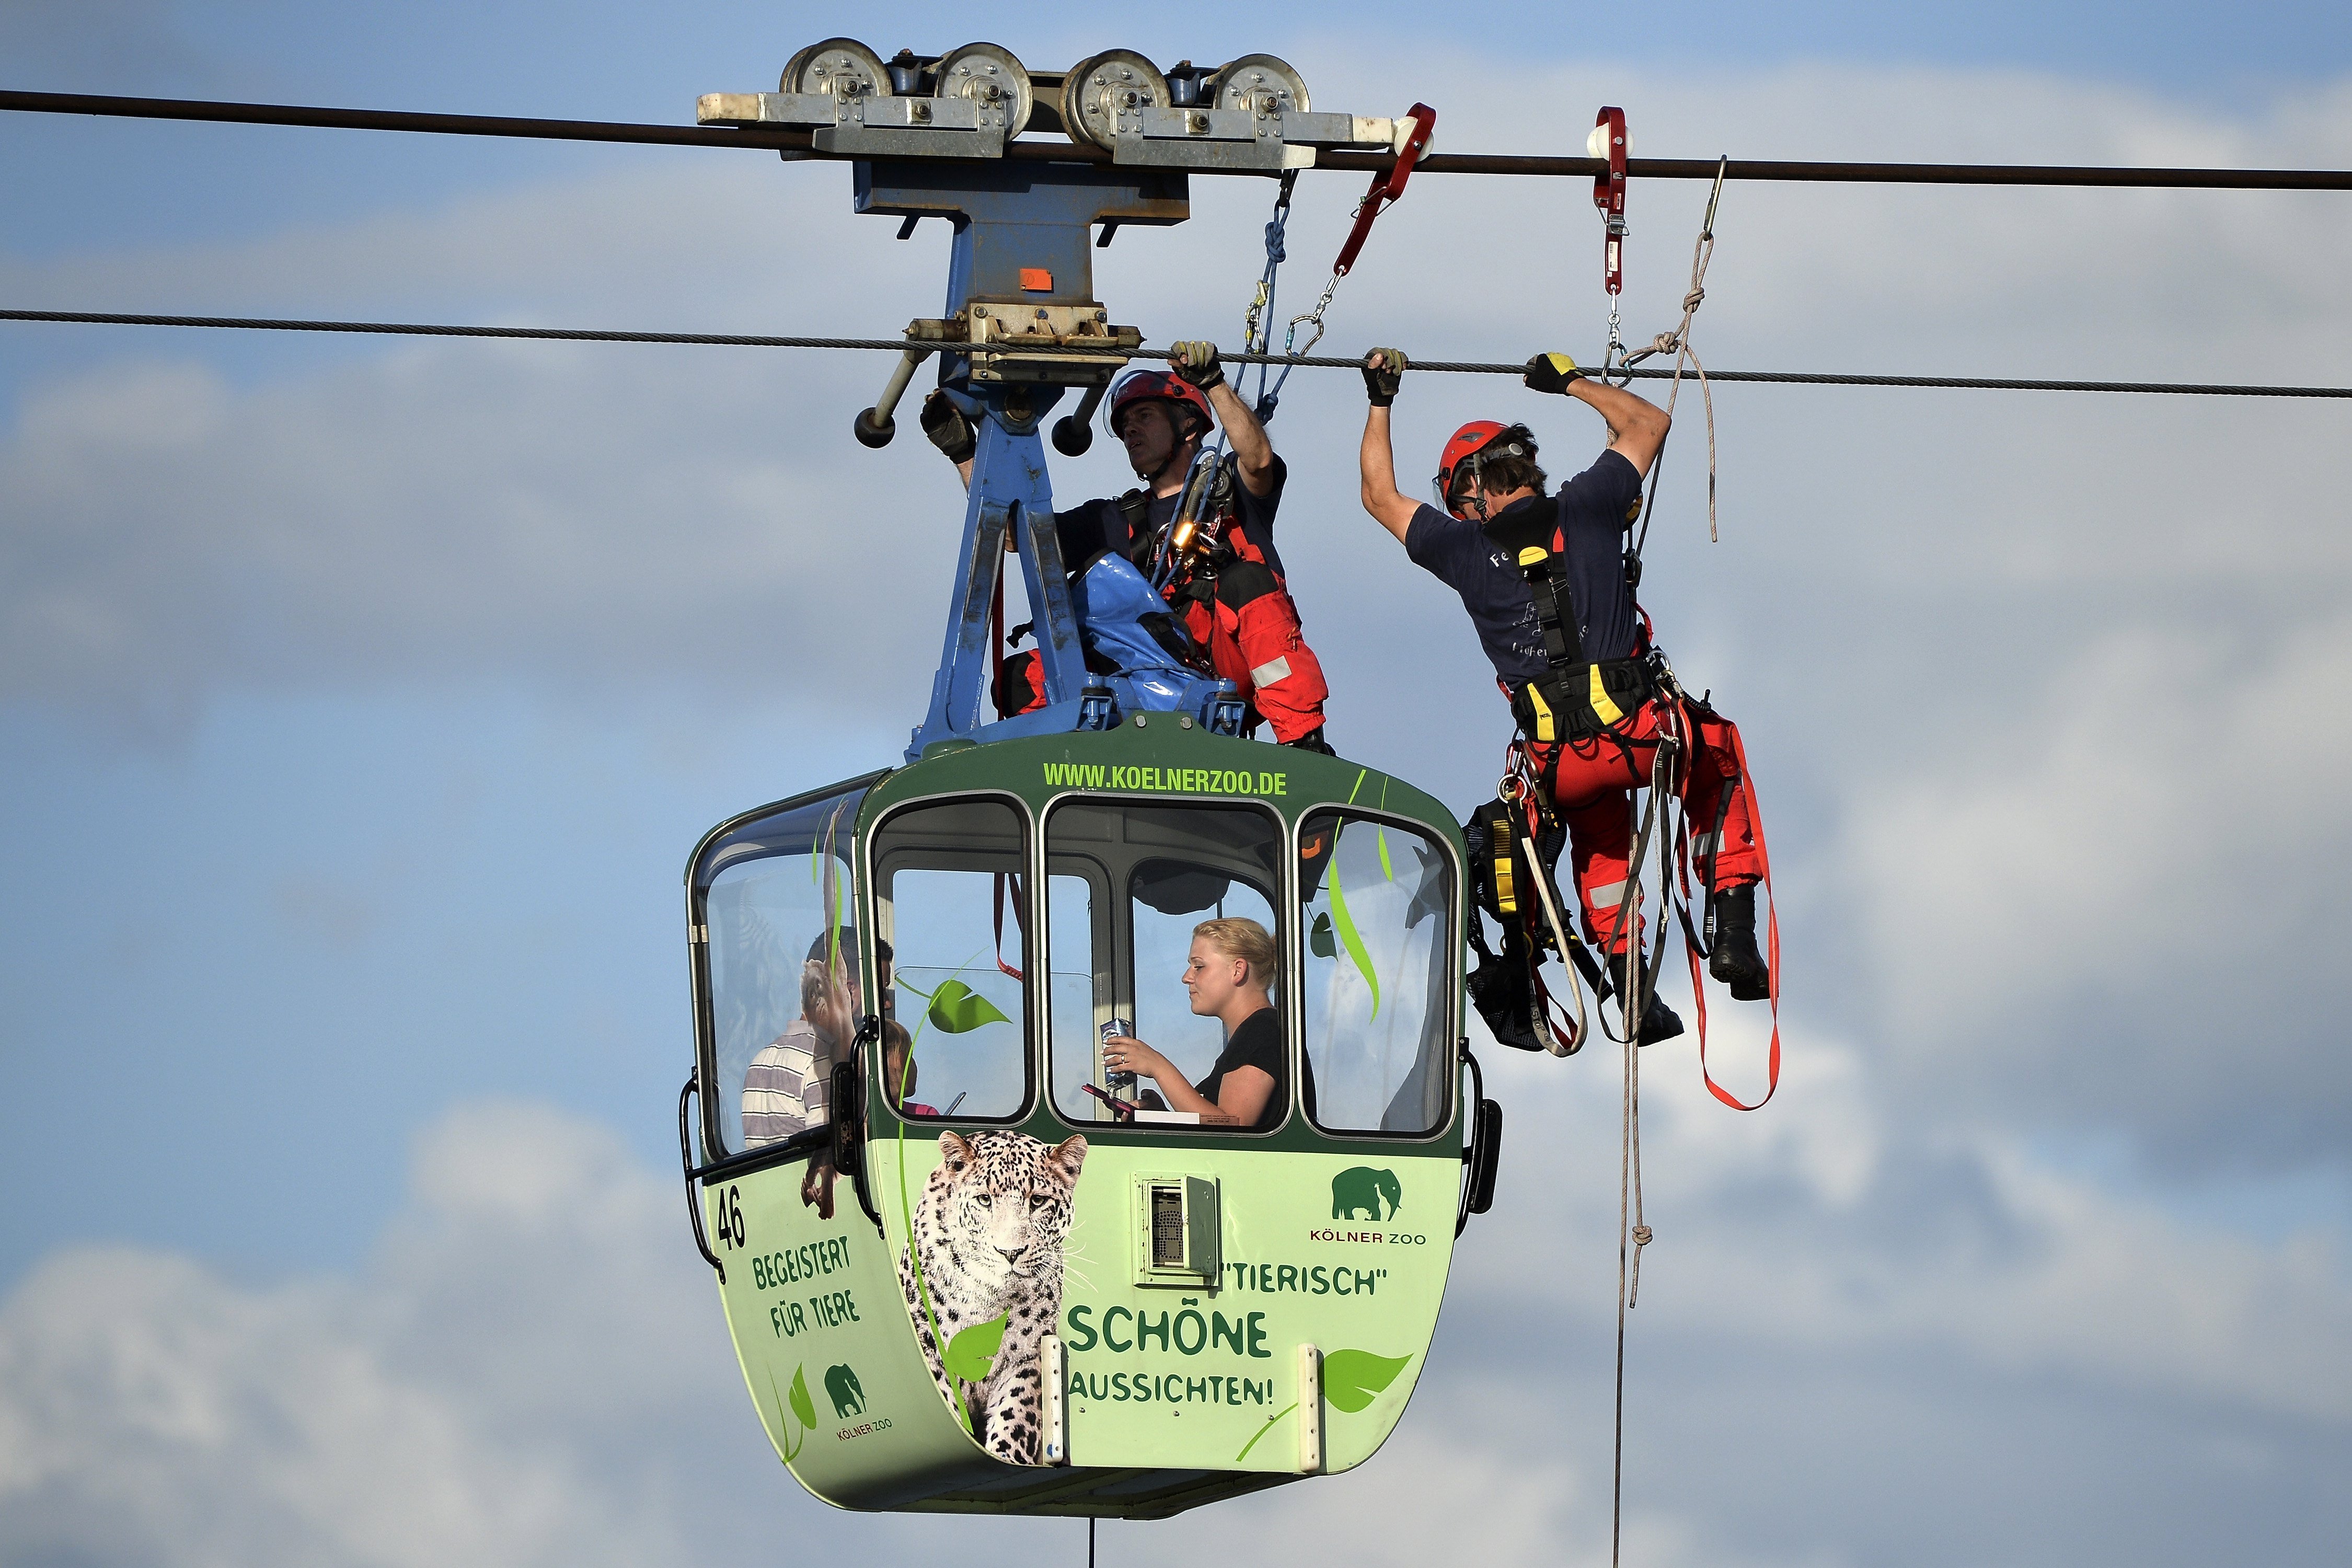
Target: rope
1678	344
771	138
1257	327
1632	1231
1309	361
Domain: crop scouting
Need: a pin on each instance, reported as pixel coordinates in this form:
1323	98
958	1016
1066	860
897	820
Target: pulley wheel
1099	92
989	77
842	67
1260	84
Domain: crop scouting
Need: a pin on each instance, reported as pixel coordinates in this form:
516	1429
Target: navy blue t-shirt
1089	529
1594	509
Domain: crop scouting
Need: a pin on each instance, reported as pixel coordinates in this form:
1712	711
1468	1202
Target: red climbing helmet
1475	443
1138	386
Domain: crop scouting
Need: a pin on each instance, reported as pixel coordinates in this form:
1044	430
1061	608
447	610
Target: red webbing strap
1771	948
1018	924
996	647
1387	188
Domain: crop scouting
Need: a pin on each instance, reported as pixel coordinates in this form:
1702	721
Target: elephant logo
848	1399
1363	1187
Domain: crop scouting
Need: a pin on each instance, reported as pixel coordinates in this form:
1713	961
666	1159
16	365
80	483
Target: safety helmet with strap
1473	446
1138	386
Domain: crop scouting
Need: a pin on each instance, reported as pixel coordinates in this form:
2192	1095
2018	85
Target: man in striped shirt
788	1088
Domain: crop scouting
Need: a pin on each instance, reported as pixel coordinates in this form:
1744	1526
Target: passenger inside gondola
898	1070
1226	976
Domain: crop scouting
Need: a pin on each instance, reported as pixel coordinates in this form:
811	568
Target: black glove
1551	373
949	431
1197	364
1381	383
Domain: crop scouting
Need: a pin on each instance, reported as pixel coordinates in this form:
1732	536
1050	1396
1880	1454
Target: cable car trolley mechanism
969	1263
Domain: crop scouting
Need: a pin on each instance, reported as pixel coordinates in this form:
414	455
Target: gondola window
950	897
1132	882
1378	903
784	987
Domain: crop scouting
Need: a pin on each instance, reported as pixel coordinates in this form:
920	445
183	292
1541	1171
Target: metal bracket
1018	339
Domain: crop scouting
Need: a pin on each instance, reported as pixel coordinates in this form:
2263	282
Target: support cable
764	138
1308	361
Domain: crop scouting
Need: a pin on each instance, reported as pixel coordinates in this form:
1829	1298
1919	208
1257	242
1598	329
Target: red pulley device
1608	140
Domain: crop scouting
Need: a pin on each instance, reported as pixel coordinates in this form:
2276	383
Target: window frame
1451	983
1177	1133
717	1156
1032	1004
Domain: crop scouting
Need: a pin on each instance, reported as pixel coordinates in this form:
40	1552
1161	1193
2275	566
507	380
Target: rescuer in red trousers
1544	580
1216	564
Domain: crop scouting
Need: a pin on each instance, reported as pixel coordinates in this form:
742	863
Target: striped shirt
788	1088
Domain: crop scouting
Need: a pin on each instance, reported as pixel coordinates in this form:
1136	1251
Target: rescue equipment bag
1123	619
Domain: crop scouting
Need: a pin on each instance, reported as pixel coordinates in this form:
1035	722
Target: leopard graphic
991	1227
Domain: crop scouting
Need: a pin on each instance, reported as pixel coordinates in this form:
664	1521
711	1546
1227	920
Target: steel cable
775	139
1309	361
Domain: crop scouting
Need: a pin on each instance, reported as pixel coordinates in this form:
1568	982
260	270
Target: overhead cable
765	139
1306	361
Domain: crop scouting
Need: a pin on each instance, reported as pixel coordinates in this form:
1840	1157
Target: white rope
1678	344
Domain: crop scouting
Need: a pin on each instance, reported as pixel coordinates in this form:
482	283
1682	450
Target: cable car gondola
995	1279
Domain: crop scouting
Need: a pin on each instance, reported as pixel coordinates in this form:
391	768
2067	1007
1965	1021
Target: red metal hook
1609	191
1387	188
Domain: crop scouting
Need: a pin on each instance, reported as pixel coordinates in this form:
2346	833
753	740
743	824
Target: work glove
1197	364
1381	383
1551	373
949	431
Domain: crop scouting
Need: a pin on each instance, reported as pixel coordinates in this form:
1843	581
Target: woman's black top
1256	1043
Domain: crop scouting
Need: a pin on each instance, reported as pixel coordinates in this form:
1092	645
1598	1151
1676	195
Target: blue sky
360	701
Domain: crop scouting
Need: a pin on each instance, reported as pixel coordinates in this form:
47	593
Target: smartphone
1120	1108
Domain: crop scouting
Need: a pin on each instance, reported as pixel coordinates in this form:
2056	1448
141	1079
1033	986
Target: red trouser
1591	782
1251	630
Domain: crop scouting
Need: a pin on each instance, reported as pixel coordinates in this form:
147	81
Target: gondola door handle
693	1199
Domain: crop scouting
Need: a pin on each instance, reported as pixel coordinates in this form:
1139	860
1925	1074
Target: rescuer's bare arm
1376	462
1637	426
1252	452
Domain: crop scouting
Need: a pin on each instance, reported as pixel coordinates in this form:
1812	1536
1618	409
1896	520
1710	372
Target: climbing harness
1413	135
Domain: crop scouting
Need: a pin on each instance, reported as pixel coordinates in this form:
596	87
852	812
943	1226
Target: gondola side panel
841	1389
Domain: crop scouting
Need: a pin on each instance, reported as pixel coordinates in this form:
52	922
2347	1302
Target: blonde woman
1227	975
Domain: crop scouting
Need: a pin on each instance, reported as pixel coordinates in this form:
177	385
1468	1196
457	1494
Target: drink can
1118	1080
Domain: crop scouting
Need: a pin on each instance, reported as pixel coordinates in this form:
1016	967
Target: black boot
1732	957
1659	1022
1313	741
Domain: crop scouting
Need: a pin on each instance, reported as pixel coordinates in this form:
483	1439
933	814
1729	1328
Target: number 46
728	1219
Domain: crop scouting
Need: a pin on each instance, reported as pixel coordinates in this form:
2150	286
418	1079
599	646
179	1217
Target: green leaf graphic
784	1427
802	1407
1264	1430
957	1008
1349	935
1351	1378
1319	941
971	1353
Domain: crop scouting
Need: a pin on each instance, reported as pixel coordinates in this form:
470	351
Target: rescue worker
1221	575
1545	582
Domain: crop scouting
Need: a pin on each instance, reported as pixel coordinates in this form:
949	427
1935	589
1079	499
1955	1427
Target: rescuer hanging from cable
1544	579
1202	528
